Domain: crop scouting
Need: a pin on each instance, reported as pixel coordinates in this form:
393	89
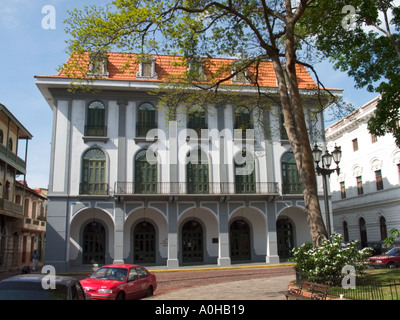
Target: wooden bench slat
317	291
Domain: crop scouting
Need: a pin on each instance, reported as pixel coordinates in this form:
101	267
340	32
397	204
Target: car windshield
393	252
24	290
109	273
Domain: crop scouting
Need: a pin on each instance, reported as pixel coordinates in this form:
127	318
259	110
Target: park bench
316	292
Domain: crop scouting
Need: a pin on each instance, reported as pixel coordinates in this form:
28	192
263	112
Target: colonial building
12	132
366	194
32	228
120	191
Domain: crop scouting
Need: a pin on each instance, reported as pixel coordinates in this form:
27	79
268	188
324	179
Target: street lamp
325	171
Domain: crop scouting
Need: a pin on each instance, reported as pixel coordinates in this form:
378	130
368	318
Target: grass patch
376	284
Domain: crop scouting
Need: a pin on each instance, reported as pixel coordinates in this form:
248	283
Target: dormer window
196	69
240	73
98	65
147	69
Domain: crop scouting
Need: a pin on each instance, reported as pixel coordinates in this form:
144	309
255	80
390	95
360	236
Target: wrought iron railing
95	131
95	188
143	127
124	188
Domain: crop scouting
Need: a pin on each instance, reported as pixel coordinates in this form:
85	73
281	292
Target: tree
362	38
255	30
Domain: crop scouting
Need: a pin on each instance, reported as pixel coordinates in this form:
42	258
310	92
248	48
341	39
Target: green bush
324	264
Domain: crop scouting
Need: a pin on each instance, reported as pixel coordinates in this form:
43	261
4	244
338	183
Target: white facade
177	222
369	176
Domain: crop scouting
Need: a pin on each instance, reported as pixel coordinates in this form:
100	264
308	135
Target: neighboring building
366	194
108	203
32	227
11	207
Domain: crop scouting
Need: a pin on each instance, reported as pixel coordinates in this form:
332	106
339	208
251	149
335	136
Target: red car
390	259
120	281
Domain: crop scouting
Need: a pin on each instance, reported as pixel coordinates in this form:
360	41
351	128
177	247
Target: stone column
119	234
224	259
272	243
172	261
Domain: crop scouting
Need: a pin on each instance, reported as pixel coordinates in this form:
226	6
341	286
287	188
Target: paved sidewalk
271	288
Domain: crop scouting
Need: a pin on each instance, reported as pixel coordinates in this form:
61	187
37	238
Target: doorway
94	243
144	243
239	238
285	237
192	242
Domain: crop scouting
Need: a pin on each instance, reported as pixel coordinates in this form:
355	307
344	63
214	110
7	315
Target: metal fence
365	288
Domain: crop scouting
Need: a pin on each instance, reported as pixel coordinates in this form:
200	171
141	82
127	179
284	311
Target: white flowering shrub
324	264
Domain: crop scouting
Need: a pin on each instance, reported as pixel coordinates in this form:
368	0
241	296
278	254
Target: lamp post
325	171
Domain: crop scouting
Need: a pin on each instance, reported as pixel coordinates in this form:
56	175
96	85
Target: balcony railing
127	188
292	188
11	207
97	188
143	127
96	131
11	158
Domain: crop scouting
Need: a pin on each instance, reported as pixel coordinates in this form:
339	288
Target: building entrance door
94	243
144	243
240	240
192	242
284	230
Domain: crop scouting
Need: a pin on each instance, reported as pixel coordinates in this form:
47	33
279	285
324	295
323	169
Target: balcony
11	209
292	188
12	159
30	225
94	188
216	188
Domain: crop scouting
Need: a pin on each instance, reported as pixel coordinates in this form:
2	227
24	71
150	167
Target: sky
31	45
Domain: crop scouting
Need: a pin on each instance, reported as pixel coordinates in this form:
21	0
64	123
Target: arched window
145	174
94	173
243	120
95	124
146	119
383	228
291	183
197	120
363	233
197	174
345	232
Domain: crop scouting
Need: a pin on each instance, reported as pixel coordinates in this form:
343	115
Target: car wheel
391	265
149	291
120	296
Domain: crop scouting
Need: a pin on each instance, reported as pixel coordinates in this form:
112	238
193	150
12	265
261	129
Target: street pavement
244	282
272	288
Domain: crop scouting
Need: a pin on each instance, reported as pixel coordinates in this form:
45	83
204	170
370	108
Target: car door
143	281
132	286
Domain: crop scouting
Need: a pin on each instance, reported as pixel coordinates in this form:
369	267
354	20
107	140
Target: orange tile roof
172	65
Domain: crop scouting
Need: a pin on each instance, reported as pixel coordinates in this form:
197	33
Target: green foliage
394	236
369	52
324	264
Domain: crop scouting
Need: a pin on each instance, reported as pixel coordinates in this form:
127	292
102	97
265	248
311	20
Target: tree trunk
297	132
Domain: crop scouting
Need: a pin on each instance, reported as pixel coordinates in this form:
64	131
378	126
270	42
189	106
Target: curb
223	268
